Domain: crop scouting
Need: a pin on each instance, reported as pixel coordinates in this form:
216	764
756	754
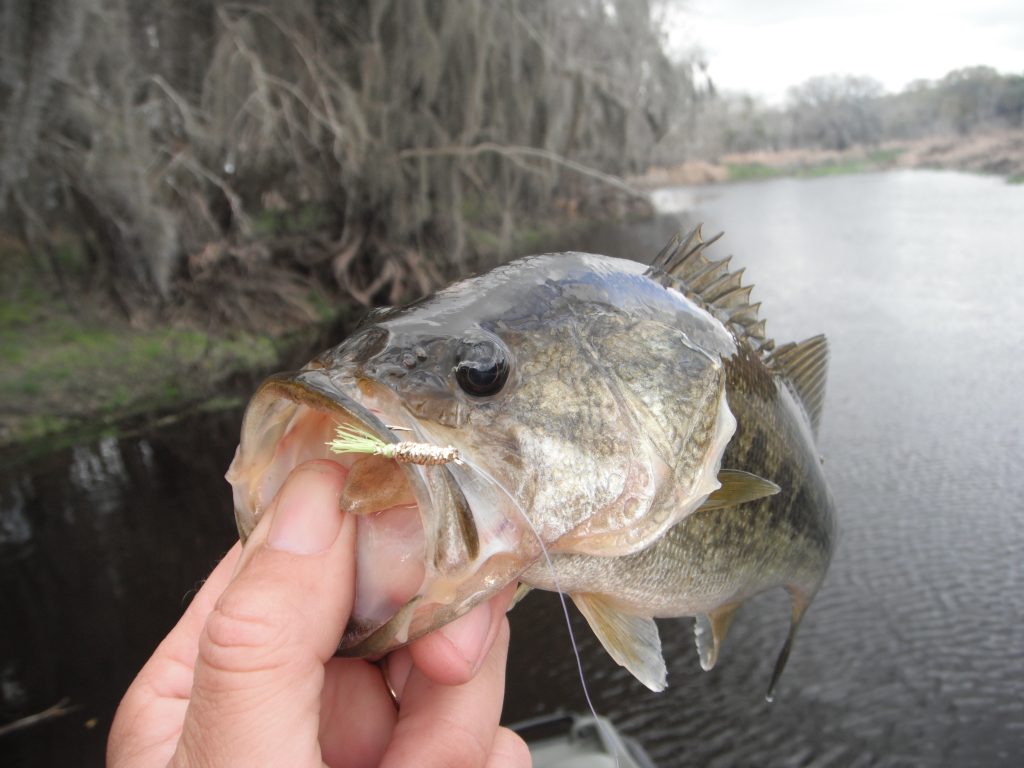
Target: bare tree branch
59	709
515	152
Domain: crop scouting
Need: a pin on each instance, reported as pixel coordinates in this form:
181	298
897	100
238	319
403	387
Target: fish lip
313	387
317	389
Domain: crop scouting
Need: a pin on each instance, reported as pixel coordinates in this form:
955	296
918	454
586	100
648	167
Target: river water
913	653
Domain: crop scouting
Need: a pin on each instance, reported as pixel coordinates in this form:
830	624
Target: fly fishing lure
349	439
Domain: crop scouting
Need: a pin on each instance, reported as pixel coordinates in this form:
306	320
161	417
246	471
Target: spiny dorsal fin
709	631
805	366
633	641
681	254
737	488
683	265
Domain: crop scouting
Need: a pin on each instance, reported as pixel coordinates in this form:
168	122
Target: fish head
424	556
537	393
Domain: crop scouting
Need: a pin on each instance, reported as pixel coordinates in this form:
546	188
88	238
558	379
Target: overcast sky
766	46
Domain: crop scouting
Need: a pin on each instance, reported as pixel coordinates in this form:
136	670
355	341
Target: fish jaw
290	420
420	563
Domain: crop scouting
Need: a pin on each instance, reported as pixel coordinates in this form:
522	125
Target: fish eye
481	368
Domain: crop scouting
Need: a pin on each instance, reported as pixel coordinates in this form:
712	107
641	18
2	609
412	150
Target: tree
169	134
833	112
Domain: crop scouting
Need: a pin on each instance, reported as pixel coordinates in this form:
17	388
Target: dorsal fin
683	265
805	366
684	256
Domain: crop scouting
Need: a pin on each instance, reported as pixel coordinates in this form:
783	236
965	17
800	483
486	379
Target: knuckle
241	640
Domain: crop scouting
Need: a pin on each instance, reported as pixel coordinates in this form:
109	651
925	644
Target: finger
357	715
451	725
509	751
260	665
454	653
149	718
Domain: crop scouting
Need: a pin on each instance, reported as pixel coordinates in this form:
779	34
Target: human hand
248	677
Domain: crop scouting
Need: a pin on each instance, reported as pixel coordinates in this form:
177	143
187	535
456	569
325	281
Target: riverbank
1000	153
72	367
64	377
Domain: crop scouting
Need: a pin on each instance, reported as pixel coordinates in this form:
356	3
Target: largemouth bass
626	434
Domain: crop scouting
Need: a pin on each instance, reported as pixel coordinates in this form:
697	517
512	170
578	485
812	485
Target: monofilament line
561	596
349	439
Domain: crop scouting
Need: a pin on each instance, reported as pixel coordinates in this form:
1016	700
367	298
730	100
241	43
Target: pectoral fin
709	631
632	641
738	487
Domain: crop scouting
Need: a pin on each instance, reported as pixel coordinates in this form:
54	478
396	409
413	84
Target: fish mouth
290	420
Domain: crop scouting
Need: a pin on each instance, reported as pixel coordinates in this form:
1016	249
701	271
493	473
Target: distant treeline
838	112
171	140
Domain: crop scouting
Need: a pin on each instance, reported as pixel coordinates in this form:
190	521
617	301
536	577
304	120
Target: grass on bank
57	373
872	161
67	372
60	368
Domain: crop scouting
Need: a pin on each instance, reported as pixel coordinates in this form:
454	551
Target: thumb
260	667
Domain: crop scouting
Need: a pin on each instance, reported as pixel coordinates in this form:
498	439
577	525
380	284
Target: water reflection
102	544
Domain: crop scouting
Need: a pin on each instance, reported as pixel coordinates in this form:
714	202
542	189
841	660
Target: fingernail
307	519
468	633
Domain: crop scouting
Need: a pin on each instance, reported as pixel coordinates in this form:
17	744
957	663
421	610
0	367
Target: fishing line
561	596
354	439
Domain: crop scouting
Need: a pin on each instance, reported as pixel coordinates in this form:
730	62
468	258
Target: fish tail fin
800	602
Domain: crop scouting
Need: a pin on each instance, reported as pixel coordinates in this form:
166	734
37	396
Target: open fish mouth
291	420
